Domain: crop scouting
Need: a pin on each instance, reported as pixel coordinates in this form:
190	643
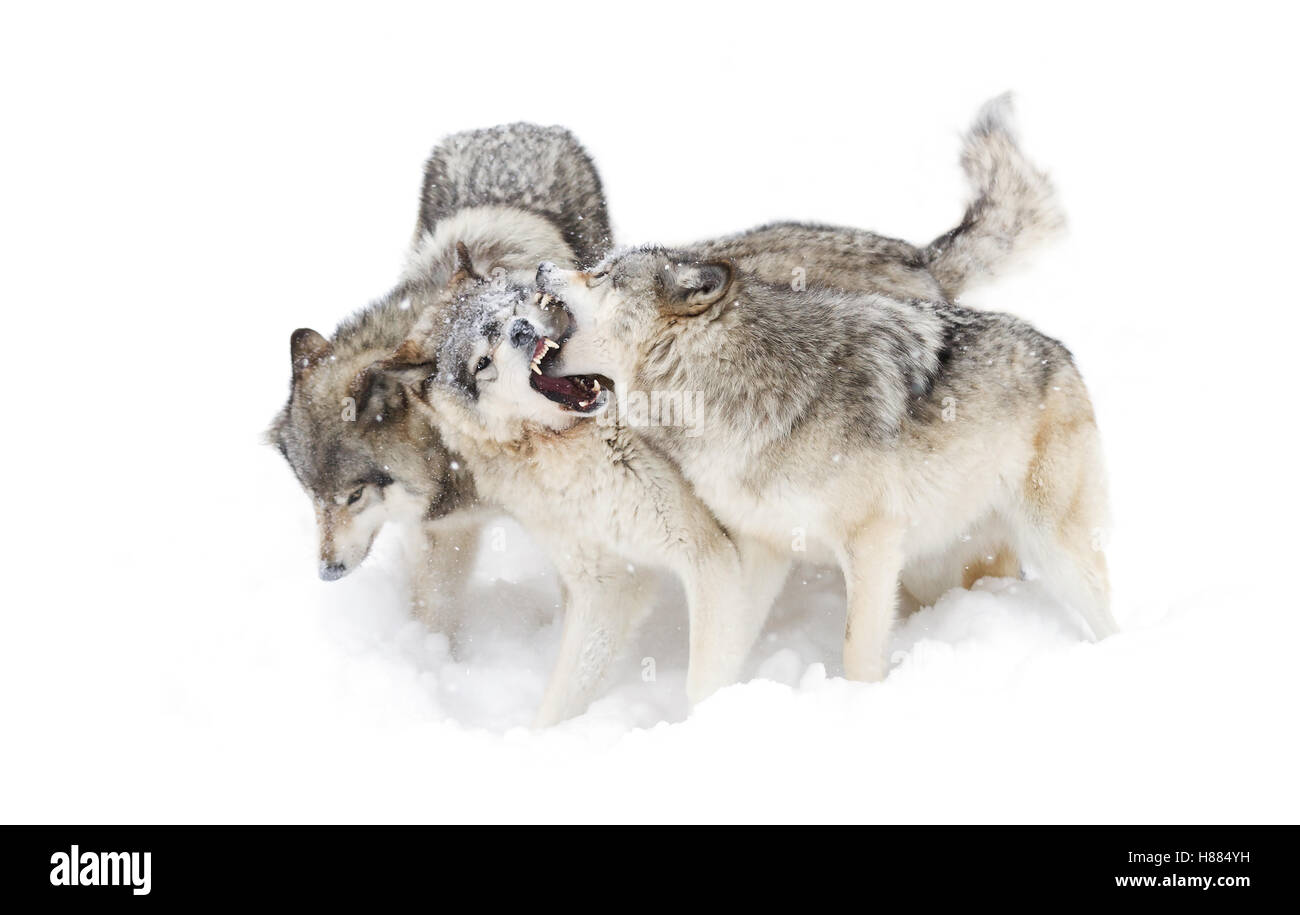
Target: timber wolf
898	435
511	195
602	502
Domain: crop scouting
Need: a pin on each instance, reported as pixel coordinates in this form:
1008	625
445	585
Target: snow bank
167	653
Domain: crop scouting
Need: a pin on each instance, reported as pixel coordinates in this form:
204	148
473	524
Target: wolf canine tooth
551	344
546	300
537	369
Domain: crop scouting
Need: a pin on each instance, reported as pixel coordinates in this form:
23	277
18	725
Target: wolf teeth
551	344
537	298
596	382
546	300
537	369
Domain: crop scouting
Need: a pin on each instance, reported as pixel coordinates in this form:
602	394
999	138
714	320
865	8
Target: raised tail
542	170
1013	211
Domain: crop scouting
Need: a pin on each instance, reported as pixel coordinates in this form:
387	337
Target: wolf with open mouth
599	500
897	433
893	433
510	194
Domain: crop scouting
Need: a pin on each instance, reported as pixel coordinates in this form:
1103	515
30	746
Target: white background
182	187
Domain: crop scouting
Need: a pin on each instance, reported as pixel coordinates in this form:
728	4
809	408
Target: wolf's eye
482	364
352	499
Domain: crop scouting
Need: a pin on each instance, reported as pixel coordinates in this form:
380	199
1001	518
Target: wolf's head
357	448
477	361
637	307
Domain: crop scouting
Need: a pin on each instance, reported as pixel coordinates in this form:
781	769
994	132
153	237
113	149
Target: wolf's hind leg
1064	512
872	560
1072	567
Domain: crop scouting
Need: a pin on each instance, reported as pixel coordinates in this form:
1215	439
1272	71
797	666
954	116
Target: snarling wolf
602	502
897	436
510	196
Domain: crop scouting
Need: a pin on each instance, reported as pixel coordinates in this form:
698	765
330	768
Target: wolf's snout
332	571
544	271
522	334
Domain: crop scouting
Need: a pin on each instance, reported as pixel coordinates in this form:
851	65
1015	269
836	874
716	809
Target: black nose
332	571
522	334
544	273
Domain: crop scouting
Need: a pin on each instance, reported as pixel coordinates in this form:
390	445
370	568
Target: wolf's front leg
871	559
440	559
729	592
603	606
765	570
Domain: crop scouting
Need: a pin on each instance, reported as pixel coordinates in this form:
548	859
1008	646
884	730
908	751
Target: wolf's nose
332	571
544	272
522	334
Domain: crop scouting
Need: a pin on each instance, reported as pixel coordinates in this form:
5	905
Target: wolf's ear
690	289
378	391
464	269
307	348
407	365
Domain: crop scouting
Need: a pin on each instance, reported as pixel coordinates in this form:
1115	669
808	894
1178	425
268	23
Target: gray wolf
602	502
895	436
1012	212
511	195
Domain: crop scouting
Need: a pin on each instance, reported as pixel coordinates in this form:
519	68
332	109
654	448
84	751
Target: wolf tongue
564	387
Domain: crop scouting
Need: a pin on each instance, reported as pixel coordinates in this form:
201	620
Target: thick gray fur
540	169
1014	208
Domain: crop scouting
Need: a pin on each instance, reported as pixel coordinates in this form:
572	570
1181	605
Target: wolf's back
541	169
1014	209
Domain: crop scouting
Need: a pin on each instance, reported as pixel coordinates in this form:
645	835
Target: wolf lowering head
510	195
358	450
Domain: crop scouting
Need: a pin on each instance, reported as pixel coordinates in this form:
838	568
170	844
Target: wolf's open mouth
579	393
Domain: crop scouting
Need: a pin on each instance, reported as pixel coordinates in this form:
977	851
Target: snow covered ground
184	189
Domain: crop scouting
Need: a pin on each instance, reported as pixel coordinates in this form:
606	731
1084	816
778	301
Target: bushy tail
1015	207
543	170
